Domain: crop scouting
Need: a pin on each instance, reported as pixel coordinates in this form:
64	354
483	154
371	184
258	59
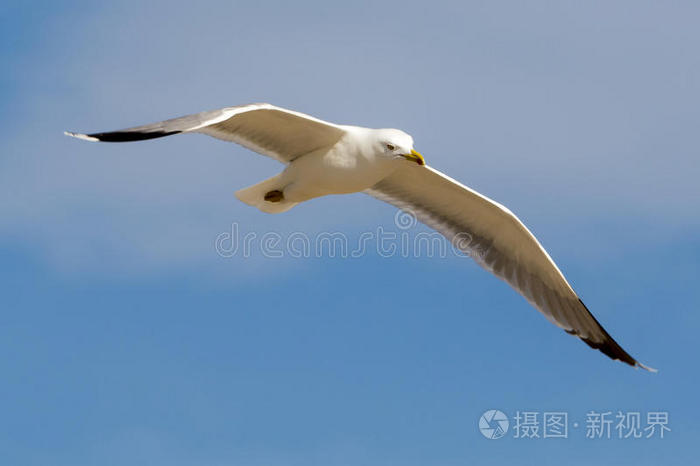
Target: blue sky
126	339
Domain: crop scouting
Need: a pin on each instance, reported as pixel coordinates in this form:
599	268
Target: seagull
324	158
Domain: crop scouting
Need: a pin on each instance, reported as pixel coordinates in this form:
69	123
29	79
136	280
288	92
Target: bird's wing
273	131
494	237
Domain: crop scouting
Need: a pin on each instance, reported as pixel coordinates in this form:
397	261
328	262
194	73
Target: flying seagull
324	158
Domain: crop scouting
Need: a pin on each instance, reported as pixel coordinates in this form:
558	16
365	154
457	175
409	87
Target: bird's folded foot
274	196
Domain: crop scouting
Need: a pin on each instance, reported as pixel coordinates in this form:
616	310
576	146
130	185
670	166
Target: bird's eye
390	146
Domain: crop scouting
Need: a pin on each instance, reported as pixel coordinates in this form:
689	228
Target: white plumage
324	158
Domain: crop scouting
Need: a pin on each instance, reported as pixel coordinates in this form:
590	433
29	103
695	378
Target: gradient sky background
126	339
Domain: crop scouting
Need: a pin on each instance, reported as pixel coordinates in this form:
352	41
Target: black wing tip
609	346
612	349
121	136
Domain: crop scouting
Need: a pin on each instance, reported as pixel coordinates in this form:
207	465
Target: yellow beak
414	156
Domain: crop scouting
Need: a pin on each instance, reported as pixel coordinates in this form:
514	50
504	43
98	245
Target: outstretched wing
499	242
273	131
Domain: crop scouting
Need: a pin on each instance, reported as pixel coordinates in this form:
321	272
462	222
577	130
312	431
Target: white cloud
566	124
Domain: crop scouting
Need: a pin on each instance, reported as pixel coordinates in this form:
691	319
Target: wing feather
498	241
273	131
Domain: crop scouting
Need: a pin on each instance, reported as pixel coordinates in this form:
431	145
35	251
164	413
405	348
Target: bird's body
323	158
349	166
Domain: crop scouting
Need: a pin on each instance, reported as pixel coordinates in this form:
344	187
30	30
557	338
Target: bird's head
396	144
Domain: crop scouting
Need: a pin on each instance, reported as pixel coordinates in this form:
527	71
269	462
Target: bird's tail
255	196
